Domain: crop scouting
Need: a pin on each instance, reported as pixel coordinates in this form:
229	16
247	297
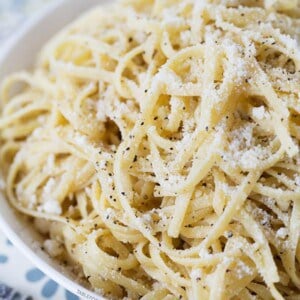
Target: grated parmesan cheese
242	150
282	233
259	112
297	180
51	207
42	225
80	140
196	273
146	218
243	270
53	248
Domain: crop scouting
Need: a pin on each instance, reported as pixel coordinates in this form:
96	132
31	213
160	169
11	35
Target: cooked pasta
155	145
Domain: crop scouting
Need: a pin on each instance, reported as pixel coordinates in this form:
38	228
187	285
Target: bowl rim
11	43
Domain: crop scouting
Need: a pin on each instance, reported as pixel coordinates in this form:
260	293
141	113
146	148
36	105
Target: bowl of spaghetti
152	149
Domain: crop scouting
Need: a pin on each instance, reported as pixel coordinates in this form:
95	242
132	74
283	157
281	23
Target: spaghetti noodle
156	145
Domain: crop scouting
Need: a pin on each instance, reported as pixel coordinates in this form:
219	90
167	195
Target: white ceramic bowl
18	53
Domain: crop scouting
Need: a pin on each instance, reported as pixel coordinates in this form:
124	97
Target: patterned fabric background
19	279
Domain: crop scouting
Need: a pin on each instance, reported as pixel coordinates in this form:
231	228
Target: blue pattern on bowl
34	275
3	259
50	287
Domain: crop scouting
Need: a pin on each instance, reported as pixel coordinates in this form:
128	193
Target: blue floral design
8	293
50	287
8	242
3	259
71	296
34	275
5	291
